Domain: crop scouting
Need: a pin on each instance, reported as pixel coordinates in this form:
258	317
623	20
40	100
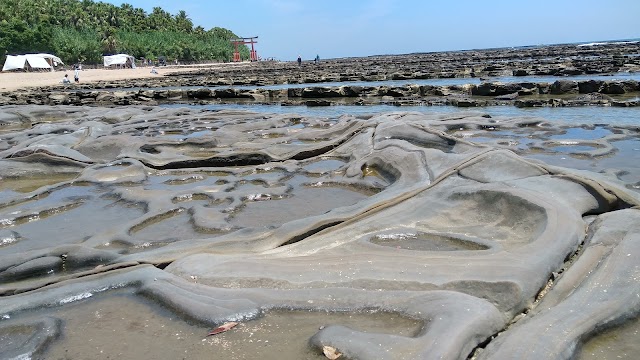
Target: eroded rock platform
232	216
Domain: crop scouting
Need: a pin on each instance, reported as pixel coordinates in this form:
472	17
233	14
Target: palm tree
160	19
183	22
109	41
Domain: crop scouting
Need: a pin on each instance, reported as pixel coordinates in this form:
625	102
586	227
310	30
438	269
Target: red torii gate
247	40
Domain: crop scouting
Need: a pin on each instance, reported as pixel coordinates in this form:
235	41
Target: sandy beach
19	80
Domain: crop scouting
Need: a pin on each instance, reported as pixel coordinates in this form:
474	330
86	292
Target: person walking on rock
76	74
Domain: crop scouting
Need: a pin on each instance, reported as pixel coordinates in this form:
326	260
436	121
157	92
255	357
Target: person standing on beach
76	74
299	60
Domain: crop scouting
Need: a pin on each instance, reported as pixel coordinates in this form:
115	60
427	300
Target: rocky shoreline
574	93
131	230
224	85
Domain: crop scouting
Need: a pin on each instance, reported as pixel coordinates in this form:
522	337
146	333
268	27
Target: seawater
619	116
621	76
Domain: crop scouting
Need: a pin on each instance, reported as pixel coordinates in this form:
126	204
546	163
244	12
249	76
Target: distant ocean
579	44
596	43
613	42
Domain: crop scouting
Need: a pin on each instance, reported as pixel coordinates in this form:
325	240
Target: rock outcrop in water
523	94
561	61
225	216
482	78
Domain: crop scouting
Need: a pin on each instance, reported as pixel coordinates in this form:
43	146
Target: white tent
31	62
122	60
51	59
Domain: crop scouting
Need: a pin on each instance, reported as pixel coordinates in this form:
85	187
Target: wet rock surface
525	94
451	222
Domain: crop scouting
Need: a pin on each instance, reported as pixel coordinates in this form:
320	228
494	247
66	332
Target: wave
609	43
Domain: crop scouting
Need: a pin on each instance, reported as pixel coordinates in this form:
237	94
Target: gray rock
401	212
564	87
28	340
35	267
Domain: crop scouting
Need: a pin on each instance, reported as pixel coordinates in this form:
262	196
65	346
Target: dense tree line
84	30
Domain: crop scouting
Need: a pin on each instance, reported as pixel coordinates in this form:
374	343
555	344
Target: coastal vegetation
85	30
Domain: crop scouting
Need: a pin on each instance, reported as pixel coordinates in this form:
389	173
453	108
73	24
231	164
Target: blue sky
344	28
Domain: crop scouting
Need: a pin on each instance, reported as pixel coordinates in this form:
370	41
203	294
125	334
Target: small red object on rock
222	328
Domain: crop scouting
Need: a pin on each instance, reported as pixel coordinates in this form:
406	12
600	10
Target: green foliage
175	45
19	36
84	30
73	45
